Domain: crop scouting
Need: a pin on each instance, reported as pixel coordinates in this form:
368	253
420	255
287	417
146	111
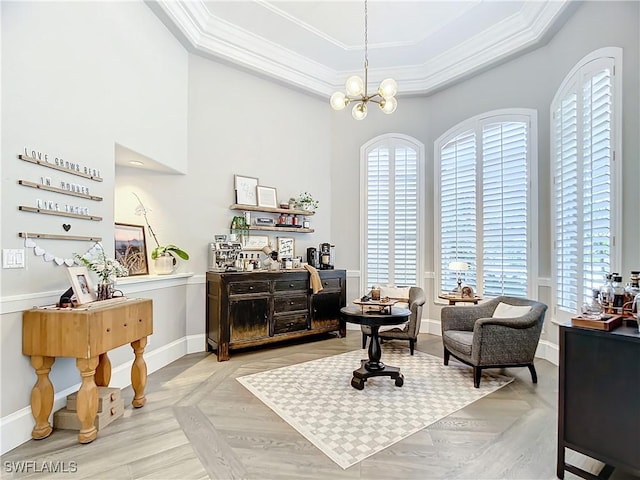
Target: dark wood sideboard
247	309
599	395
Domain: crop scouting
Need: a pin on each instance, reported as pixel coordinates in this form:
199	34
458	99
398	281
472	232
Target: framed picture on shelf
267	197
245	190
254	242
131	248
286	247
81	284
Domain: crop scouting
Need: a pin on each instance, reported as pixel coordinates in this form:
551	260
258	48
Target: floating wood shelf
281	229
255	208
59	168
60	214
58	190
51	236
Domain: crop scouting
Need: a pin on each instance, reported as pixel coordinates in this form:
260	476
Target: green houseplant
240	227
163	255
305	201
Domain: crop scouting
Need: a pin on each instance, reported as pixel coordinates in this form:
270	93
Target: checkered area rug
348	425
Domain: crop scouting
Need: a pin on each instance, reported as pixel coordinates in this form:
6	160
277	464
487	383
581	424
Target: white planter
164	264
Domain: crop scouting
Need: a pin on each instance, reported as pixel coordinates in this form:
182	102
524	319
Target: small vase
105	289
164	264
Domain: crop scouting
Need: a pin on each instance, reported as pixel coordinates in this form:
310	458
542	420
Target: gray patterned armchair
473	336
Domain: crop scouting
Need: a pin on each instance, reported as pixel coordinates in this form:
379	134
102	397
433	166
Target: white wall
77	78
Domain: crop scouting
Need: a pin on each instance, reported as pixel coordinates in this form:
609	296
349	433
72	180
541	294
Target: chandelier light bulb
339	101
359	111
354	86
388	105
388	88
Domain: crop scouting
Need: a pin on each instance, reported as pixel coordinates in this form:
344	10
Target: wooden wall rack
60	214
51	236
26	183
59	168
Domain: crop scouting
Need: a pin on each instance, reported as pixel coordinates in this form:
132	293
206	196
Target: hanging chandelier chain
366	40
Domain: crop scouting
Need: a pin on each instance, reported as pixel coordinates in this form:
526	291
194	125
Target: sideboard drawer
291	285
331	283
289	303
241	288
290	323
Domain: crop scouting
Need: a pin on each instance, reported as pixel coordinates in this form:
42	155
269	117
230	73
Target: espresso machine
326	256
223	255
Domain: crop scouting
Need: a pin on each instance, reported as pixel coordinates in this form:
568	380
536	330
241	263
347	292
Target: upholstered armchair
408	331
502	332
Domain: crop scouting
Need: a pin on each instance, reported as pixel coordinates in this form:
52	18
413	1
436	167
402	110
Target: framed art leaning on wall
131	248
81	284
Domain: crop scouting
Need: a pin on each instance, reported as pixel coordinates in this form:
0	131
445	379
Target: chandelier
357	89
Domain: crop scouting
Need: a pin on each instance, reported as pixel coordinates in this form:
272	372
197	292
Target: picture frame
267	196
83	289
286	247
131	248
245	190
254	242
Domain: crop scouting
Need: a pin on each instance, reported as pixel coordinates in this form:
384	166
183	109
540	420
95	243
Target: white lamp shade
359	111
459	266
388	105
388	88
354	86
338	101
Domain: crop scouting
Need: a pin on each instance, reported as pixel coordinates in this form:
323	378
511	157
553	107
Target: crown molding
211	36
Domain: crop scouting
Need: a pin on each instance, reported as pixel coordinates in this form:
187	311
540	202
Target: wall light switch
12	258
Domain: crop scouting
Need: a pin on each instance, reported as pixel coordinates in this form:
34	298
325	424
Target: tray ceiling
316	45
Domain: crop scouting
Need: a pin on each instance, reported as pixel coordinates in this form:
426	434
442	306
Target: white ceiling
315	45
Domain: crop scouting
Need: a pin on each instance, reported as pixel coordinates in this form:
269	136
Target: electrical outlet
12	258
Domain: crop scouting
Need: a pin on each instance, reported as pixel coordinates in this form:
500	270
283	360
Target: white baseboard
15	429
196	343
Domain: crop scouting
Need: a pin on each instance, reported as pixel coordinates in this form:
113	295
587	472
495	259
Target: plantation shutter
392	215
583	172
504	208
458	207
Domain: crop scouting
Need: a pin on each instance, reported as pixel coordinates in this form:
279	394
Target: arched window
586	180
484	169
392	210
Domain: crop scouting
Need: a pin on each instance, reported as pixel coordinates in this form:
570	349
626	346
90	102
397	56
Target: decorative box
110	407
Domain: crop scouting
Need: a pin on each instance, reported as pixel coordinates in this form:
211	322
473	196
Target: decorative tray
606	323
376	306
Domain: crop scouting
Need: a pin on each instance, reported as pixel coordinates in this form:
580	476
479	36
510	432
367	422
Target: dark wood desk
372	366
86	333
599	388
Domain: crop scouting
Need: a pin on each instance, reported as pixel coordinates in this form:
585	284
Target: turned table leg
42	396
139	373
103	371
87	403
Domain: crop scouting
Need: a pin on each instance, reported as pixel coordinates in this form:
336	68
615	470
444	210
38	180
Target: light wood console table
85	333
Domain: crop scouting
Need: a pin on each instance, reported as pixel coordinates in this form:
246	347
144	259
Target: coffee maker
327	256
312	257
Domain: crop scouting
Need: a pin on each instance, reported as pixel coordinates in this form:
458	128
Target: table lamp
459	267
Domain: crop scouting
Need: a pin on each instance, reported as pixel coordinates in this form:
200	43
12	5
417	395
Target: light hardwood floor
200	423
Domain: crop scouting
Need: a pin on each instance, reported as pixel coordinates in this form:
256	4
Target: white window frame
391	140
476	124
573	81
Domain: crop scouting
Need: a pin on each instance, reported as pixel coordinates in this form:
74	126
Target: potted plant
240	227
164	256
305	201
